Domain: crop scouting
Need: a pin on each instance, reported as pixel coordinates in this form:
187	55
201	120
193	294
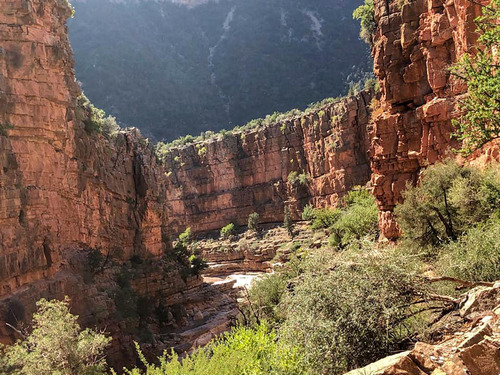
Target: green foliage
243	351
56	345
185	236
253	221
358	219
346	312
366	15
448	200
94	119
308	213
4	127
228	231
480	121
475	256
294	178
325	217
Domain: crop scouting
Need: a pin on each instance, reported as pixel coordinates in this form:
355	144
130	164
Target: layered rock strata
223	180
415	43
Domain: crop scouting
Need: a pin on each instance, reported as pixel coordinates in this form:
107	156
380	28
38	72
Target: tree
253	221
480	121
366	15
56	345
448	201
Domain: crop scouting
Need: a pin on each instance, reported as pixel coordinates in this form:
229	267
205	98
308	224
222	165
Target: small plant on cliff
4	127
366	15
480	121
56	345
294	178
228	231
253	222
94	119
447	202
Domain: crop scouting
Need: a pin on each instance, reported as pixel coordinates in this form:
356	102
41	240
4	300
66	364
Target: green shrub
197	264
228	231
56	345
325	218
4	127
480	121
448	200
95	119
346	312
243	351
185	236
253	221
358	219
308	213
366	15
475	256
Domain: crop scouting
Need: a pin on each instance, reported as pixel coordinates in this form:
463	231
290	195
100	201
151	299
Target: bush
294	178
56	345
228	231
359	219
344	313
94	119
243	351
253	221
4	127
448	200
185	237
325	217
366	15
475	256
308	213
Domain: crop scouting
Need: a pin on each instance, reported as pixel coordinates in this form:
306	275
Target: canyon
67	194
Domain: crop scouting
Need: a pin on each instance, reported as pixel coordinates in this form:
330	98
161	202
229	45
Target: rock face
213	183
473	350
59	186
414	45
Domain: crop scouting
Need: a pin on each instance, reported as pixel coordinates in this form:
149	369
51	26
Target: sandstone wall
414	45
212	183
59	186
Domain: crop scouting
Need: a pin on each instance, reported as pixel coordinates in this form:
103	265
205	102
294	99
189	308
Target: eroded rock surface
415	43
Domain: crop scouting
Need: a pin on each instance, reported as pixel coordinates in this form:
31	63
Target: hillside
174	69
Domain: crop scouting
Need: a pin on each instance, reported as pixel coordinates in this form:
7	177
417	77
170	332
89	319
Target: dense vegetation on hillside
172	70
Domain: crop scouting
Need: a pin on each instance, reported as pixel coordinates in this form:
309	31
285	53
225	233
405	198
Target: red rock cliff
212	183
60	187
415	43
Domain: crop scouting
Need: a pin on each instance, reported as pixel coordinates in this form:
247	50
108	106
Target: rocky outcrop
59	186
223	180
473	350
415	43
